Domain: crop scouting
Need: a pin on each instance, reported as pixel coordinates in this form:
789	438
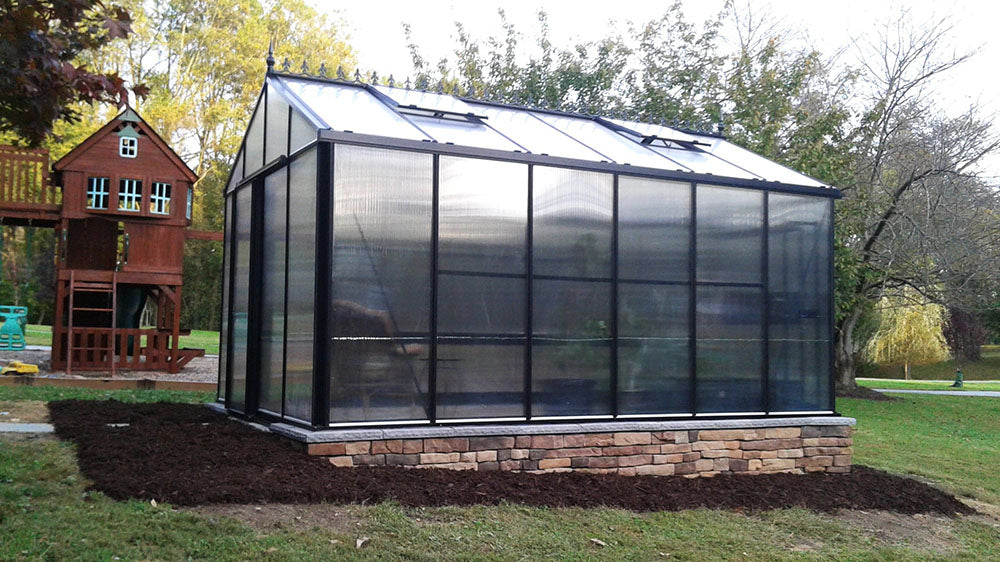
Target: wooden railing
24	178
147	349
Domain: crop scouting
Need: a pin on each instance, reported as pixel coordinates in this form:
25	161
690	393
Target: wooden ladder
92	287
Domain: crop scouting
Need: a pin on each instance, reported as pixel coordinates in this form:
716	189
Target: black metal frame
324	268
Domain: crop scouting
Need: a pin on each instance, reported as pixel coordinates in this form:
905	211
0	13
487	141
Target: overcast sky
375	30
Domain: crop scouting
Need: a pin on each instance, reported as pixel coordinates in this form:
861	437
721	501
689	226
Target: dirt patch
267	518
930	532
189	455
864	393
24	411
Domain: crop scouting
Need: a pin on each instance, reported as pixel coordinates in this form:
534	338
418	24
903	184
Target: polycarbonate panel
571	348
426	100
654	374
227	252
730	234
462	133
610	144
301	286
651	130
254	141
482	216
272	295
730	349
473	304
240	300
237	175
480	377
703	163
380	309
770	171
573	216
302	133
277	126
535	135
654	229
799	302
351	108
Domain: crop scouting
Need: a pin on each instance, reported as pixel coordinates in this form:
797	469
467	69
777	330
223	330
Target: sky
375	30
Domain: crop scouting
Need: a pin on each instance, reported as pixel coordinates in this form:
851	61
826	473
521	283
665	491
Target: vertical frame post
766	306
692	300
432	363
832	307
528	287
322	284
614	296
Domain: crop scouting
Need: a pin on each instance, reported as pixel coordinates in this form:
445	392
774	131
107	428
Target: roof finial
720	127
270	57
441	86
357	75
285	65
407	84
305	66
322	70
340	72
391	81
374	79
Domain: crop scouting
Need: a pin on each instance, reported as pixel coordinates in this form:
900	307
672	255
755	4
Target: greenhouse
395	256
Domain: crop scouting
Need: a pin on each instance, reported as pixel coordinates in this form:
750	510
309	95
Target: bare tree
917	216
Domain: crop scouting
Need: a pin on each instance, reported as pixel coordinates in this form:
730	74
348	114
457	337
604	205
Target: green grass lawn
46	513
37	334
922	385
986	369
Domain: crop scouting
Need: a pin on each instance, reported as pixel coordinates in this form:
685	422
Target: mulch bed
186	454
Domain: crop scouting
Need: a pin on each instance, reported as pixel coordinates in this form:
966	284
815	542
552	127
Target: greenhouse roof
343	106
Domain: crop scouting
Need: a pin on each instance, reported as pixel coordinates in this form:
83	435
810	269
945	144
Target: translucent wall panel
654	371
730	234
301	286
483	215
571	348
302	133
277	126
572	222
227	253
380	309
799	300
482	229
272	296
654	229
240	300
254	141
729	349
237	175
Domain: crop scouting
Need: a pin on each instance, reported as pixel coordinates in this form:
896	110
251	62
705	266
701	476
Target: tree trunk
846	351
906	371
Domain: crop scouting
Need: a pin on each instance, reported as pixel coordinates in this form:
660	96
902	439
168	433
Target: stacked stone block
701	452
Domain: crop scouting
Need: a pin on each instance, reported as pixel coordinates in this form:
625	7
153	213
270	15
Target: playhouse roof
415	115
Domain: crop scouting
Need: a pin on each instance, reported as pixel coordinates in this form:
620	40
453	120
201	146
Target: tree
917	216
965	334
908	334
41	77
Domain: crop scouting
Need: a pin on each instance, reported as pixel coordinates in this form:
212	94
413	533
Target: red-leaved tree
39	44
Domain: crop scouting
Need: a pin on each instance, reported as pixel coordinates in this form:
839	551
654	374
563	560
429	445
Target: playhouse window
190	203
159	199
97	193
129	195
128	147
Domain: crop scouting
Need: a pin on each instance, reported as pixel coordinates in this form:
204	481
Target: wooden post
175	355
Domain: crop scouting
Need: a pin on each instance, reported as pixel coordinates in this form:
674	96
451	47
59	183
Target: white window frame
190	203
98	193
159	198
130	195
128	147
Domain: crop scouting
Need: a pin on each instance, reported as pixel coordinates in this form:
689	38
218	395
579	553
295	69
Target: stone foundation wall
696	452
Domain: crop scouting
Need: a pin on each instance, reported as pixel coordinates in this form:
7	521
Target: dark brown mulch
864	393
186	454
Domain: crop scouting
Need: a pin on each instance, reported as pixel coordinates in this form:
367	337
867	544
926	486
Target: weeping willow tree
908	334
